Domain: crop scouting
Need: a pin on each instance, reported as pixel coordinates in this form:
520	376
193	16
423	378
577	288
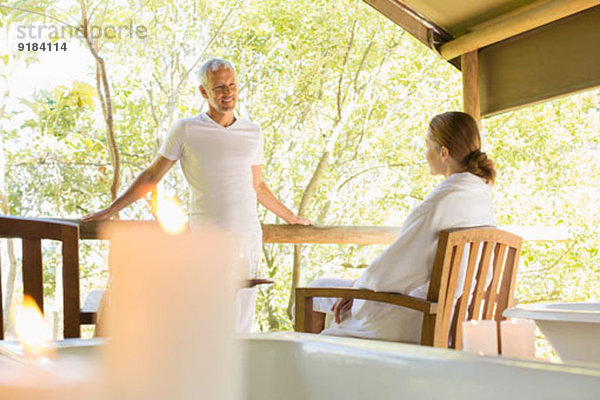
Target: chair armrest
304	298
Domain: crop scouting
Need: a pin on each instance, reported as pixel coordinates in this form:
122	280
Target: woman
461	200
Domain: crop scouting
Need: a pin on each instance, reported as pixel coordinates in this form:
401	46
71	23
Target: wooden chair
32	231
441	316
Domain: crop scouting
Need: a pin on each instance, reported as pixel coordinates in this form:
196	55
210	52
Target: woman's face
434	157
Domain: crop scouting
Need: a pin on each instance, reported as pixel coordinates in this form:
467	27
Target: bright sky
54	68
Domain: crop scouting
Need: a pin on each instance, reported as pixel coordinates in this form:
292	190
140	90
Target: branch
362	62
212	39
55	162
310	189
341	80
4	205
568	250
347	180
105	98
312	185
39	13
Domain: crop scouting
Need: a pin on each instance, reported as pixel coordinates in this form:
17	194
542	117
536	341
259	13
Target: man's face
221	91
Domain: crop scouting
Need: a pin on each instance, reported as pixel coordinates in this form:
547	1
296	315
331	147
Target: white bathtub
573	329
292	366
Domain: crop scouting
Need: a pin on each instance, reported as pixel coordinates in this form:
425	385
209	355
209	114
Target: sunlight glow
170	215
31	329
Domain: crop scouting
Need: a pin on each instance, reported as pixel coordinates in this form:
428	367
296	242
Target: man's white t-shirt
216	162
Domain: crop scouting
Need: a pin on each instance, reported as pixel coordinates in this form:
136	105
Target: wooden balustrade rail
275	233
327	234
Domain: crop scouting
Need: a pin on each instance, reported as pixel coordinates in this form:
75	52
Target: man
221	158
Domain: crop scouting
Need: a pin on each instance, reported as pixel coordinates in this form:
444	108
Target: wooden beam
95	230
531	18
277	233
329	234
418	26
470	81
273	233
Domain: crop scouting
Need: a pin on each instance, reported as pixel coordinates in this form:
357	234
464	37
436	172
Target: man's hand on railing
299	221
101	215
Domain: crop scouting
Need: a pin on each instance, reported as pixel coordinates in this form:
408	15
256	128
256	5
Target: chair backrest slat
70	275
461	306
482	272
441	266
448	303
492	289
509	278
33	284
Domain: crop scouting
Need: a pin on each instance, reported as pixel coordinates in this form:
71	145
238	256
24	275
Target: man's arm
268	199
145	182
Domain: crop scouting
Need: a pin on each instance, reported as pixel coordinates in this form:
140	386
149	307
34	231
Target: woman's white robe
461	200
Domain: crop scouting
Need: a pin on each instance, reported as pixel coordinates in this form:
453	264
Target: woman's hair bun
479	164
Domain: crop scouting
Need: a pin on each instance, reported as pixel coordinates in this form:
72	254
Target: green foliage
549	158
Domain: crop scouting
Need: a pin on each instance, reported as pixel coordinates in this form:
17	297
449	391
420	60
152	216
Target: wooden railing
326	234
274	233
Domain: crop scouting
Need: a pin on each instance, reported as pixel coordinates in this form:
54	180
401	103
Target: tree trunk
12	268
4	206
103	88
310	190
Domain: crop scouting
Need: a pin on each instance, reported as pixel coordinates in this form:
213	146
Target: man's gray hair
212	65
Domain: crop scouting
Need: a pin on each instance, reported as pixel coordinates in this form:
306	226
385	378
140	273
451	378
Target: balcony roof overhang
528	50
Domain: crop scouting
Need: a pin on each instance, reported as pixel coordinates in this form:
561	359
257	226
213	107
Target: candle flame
31	330
170	215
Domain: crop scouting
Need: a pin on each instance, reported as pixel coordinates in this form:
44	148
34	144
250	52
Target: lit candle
32	332
517	338
35	374
171	315
62	380
480	337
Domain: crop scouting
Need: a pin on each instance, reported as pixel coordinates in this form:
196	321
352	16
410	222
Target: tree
90	17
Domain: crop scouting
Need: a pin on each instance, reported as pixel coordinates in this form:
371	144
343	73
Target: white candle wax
480	337
63	380
517	338
28	369
171	316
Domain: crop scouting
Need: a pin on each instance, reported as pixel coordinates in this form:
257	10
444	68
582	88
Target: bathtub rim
561	312
408	351
372	348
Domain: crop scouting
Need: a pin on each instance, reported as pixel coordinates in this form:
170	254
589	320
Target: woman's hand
341	307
